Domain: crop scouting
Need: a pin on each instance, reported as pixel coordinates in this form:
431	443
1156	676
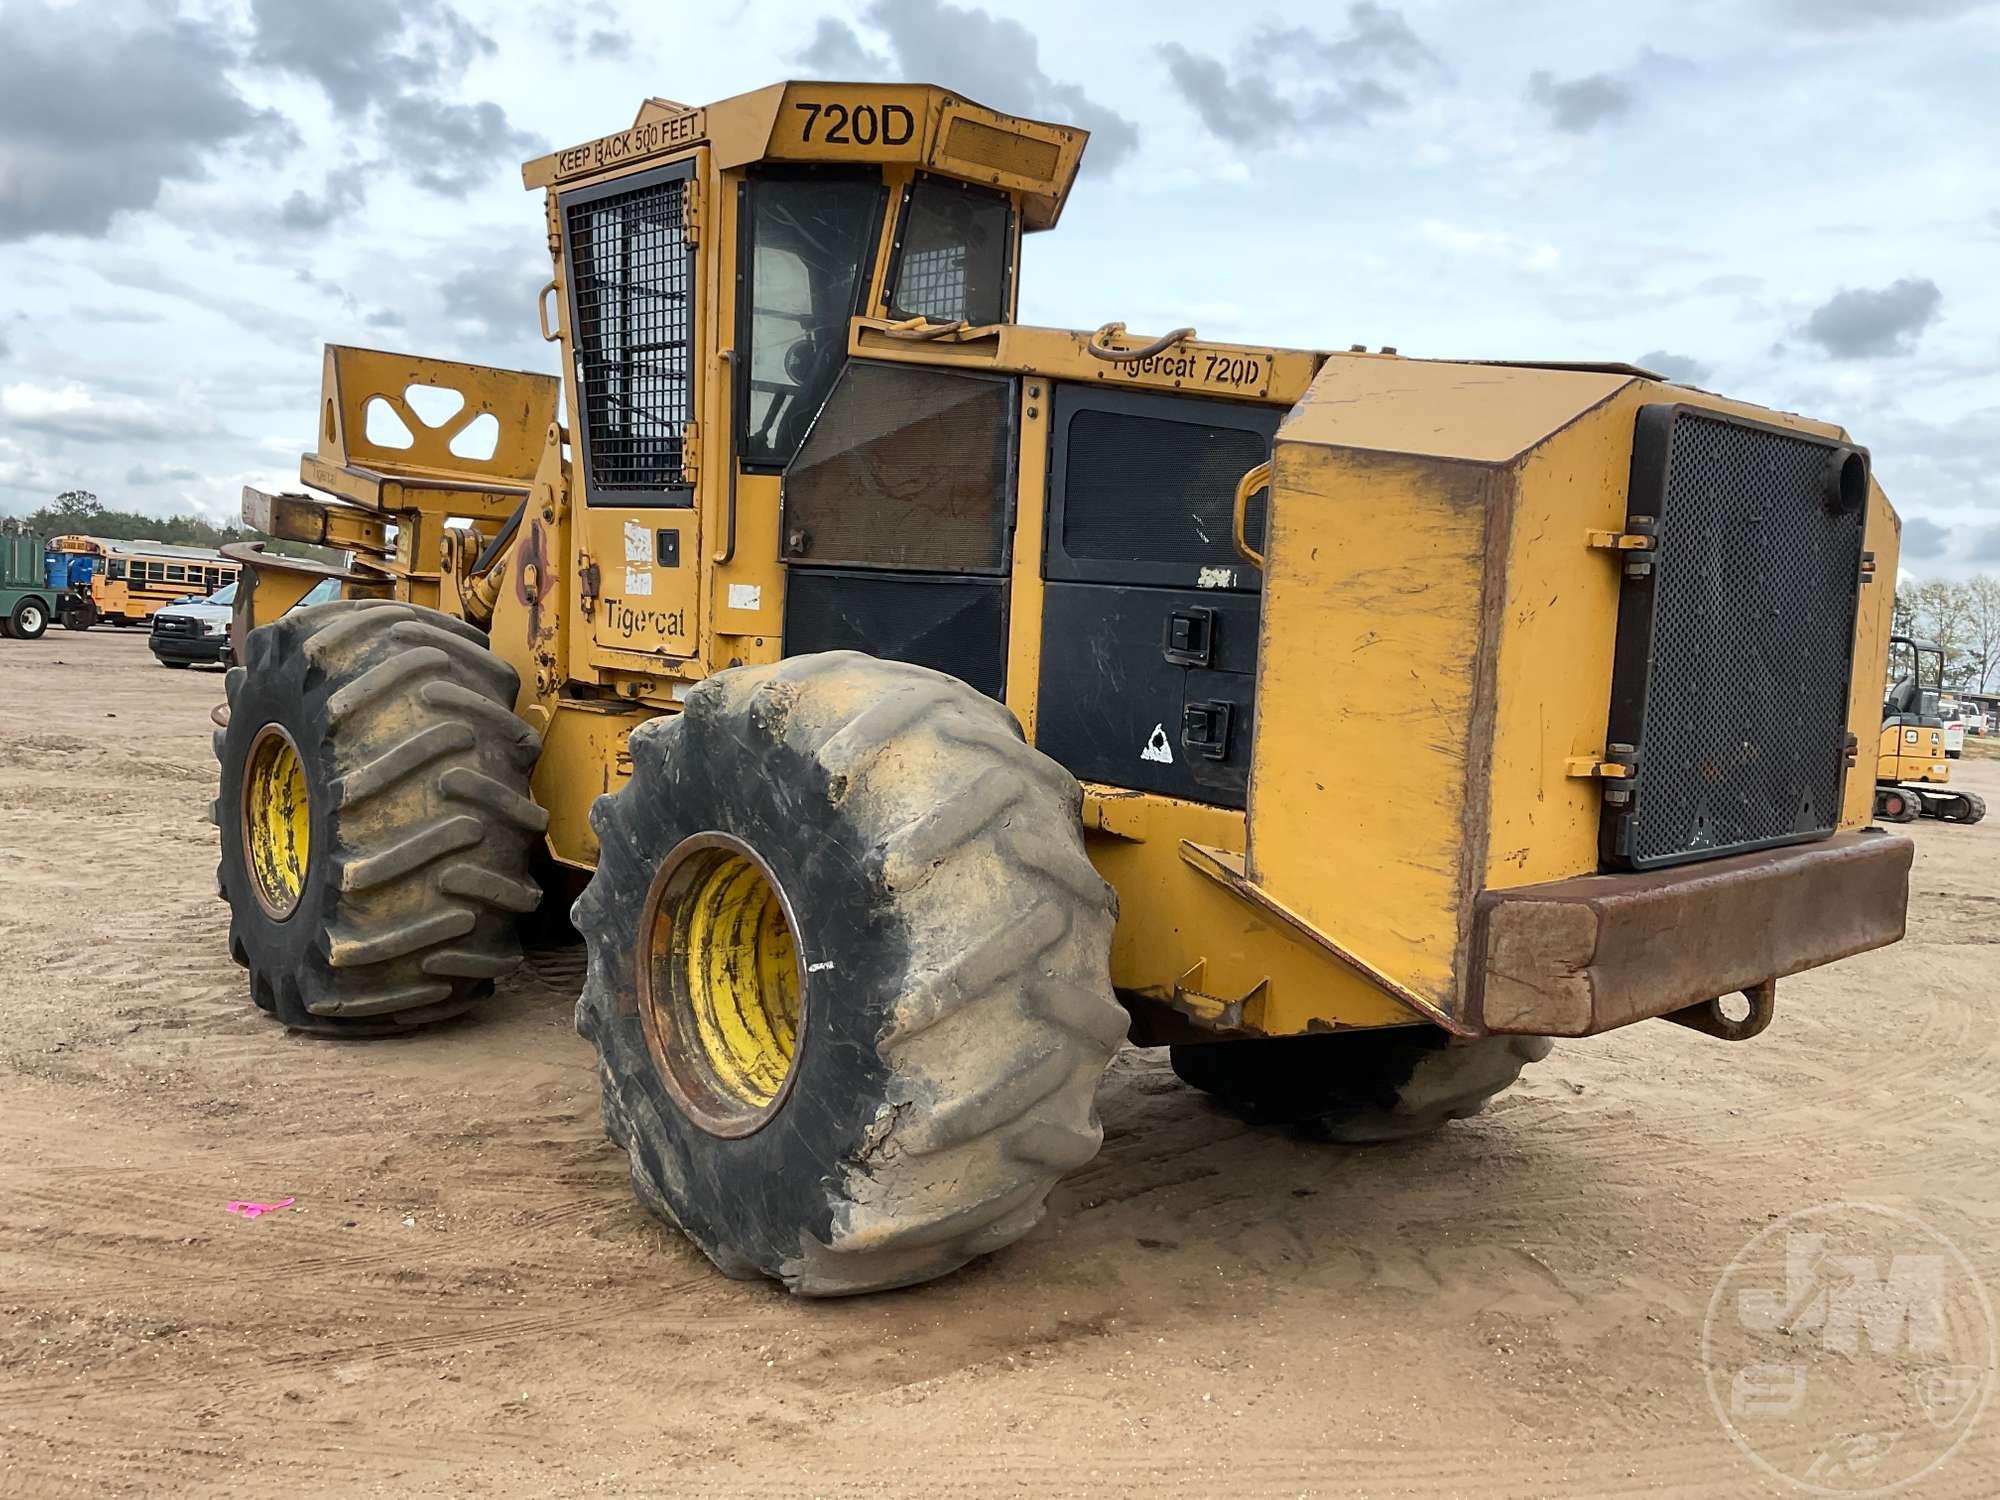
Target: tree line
1963	617
80	513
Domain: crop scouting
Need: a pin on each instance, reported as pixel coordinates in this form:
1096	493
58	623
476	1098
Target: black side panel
1141	488
1150	688
955	625
1735	637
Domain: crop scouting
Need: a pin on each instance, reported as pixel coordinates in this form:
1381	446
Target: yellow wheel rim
720	992
277	821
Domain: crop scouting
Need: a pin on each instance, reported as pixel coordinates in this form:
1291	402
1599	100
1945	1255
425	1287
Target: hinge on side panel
691	211
1619	541
555	228
1867	567
1586	766
690	453
1617	768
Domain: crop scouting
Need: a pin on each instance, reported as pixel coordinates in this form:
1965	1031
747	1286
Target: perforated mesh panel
949	625
1142	489
905	468
1735	690
631	276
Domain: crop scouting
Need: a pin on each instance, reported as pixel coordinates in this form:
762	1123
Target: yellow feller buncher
935	704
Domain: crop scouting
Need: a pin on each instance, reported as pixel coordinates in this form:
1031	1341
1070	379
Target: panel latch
1190	637
1205	728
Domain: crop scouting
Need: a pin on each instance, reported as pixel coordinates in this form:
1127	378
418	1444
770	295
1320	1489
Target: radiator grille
1735	650
631	275
954	625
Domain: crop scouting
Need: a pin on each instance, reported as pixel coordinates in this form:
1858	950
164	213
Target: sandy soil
465	1300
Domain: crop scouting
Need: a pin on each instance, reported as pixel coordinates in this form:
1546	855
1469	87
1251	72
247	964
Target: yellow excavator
1911	767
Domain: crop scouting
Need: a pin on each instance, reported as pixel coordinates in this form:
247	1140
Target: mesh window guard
632	282
953	259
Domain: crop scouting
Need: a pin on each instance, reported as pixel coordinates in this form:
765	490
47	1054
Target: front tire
918	1065
375	817
1358	1087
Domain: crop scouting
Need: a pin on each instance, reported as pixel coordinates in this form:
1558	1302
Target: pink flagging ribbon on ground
252	1210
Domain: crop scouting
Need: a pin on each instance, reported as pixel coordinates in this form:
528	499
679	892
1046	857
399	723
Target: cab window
808	244
953	249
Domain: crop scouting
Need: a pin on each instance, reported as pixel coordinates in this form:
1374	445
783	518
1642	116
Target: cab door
635	335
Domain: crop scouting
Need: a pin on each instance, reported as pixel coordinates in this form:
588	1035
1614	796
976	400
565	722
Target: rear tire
31	620
952	1014
1358	1087
414	771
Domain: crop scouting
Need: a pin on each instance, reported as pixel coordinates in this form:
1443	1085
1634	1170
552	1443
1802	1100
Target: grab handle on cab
1247	486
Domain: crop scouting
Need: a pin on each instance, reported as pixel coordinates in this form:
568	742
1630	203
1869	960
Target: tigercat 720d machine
936	703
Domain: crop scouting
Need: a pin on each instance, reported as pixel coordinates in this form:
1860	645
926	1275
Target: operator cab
811	238
1913	699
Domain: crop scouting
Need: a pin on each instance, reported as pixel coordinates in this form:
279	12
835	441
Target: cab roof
929	127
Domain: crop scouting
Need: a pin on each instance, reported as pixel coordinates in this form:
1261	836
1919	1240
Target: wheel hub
277	821
721	995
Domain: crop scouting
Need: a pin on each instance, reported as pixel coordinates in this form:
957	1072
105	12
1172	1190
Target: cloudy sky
1794	201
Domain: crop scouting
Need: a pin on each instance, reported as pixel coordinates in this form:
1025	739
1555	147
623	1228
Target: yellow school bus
137	579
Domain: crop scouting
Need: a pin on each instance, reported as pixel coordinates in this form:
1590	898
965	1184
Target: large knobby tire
1361	1086
413	771
952	942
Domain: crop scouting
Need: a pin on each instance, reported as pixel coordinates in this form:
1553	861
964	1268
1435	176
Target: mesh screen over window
632	280
905	468
953	262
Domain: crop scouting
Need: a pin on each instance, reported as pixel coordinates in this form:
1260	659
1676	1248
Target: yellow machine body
1912	753
1442	574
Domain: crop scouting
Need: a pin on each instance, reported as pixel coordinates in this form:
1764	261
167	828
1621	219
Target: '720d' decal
858	125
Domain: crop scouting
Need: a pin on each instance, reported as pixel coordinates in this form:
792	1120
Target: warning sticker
746	596
1157	748
638	581
638	543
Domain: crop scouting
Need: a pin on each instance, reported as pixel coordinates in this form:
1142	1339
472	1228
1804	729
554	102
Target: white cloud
1709	221
1518	251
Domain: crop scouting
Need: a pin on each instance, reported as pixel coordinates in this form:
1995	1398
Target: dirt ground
465	1300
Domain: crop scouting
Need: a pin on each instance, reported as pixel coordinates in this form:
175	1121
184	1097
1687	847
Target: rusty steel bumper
1575	957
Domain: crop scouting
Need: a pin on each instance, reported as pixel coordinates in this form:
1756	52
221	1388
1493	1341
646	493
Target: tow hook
1709	1018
